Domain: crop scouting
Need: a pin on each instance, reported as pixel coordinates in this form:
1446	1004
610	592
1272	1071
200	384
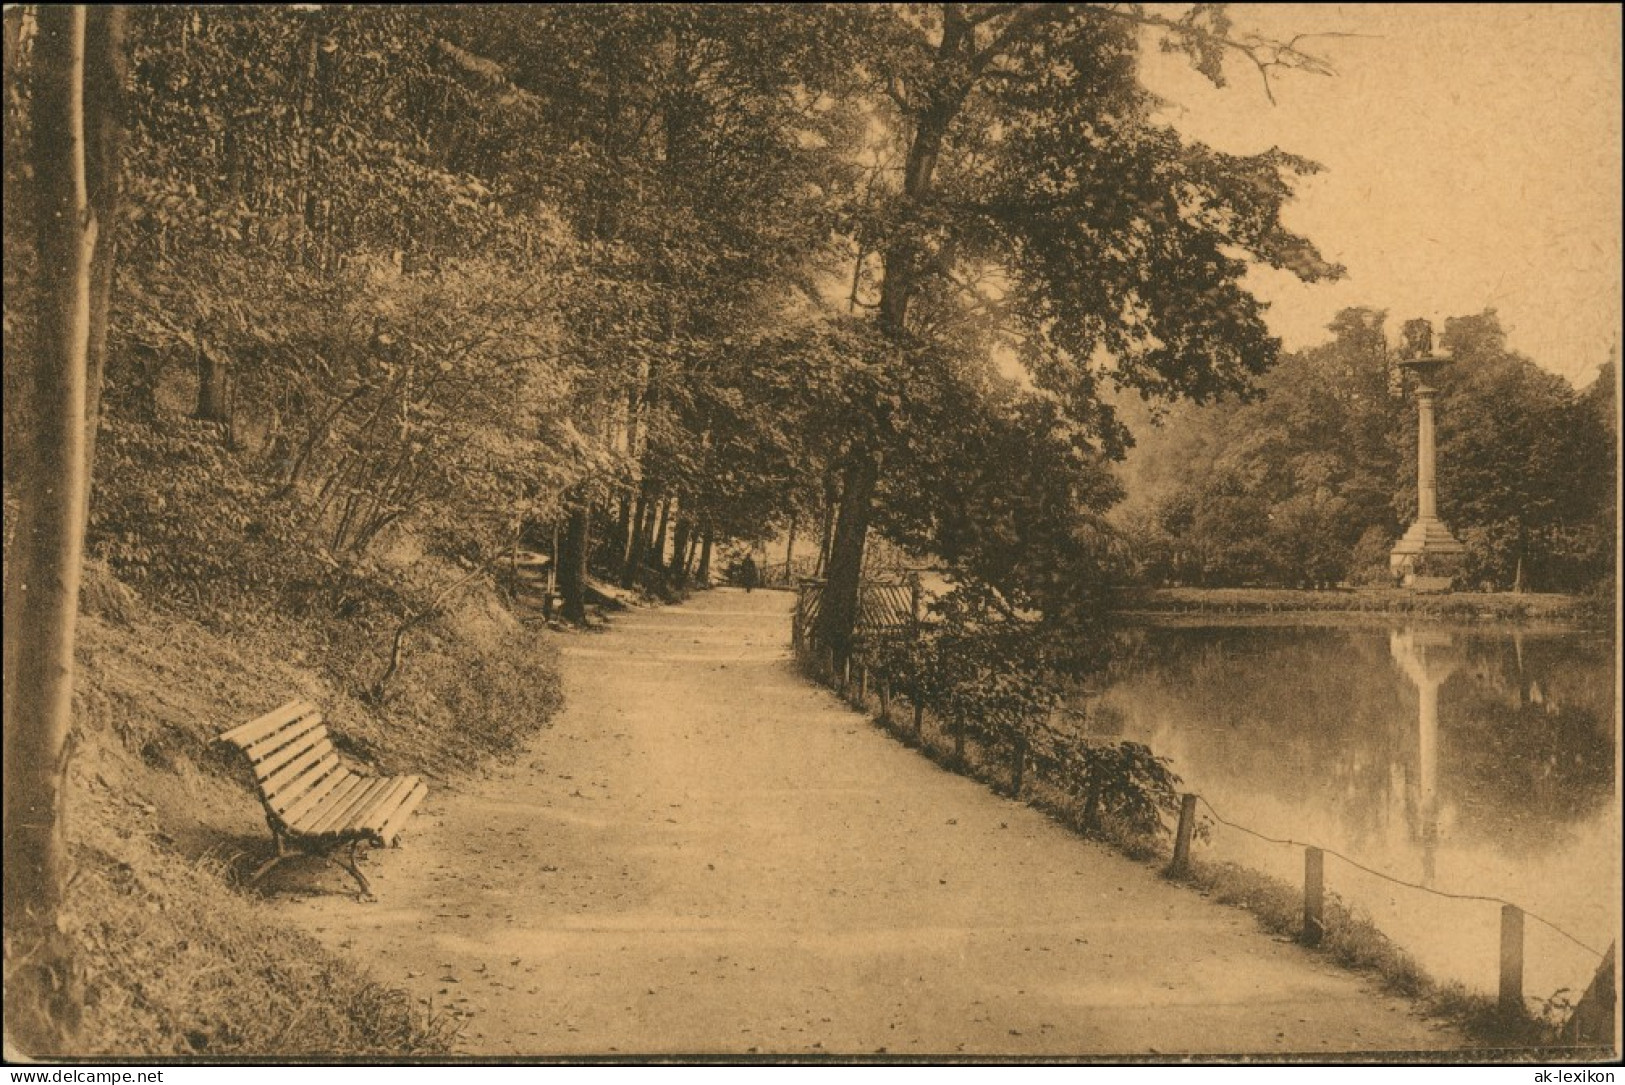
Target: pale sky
1472	158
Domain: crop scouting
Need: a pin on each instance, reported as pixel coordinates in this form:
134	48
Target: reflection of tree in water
1323	718
1525	737
1306	715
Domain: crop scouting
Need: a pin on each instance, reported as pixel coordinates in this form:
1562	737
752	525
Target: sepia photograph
845	535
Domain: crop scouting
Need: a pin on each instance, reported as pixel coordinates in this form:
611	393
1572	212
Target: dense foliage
560	277
997	677
1311	484
390	275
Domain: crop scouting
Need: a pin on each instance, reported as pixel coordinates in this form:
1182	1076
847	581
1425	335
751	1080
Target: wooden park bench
313	802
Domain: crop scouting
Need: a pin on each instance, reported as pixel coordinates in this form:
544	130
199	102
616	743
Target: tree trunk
657	551
623	534
839	612
42	579
106	73
790	552
636	545
705	559
1018	765
677	568
693	552
573	565
900	263
827	538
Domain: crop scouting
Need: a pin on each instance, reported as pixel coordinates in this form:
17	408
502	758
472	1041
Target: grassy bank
1354	942
1455	606
176	956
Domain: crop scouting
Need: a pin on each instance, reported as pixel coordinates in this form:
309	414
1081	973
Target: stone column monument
1428	553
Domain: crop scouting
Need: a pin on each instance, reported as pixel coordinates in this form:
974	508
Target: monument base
1428	553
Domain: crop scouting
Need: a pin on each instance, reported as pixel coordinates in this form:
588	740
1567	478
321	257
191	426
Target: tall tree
74	113
698	153
1521	465
1031	160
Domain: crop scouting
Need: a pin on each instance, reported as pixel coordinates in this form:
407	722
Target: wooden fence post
1182	835
1592	1021
1511	1001
863	685
885	700
1314	896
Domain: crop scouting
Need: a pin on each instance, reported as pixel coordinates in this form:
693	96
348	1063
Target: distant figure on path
747	573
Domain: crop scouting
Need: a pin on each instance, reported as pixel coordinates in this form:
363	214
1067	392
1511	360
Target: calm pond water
1472	762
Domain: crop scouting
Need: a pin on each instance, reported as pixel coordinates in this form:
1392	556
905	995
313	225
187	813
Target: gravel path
706	854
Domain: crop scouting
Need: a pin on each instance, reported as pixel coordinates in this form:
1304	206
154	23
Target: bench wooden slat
315	780
336	799
312	800
381	799
300	774
342	814
348	817
291	809
389	830
303	731
377	809
272	766
335	815
256	729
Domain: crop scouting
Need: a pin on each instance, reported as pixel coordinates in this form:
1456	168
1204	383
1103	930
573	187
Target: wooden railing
882	605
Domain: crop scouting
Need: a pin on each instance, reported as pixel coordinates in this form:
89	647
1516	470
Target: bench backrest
292	754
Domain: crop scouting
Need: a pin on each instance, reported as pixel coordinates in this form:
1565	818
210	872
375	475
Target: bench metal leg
265	867
348	863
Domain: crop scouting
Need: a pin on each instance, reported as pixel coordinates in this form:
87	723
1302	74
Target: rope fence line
1400	881
1589	1019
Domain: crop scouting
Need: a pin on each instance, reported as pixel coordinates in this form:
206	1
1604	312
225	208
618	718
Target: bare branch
1265	54
988	12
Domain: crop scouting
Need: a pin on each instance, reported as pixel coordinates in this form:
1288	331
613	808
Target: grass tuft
172	962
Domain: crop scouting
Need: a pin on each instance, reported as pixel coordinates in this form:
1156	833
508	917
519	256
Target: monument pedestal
1426	550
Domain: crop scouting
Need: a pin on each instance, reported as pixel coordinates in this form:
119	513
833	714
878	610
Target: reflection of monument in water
1427	550
1428	658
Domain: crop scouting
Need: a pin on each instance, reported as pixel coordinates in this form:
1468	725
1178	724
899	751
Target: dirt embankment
179	957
